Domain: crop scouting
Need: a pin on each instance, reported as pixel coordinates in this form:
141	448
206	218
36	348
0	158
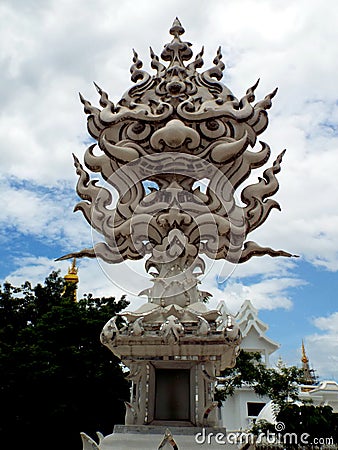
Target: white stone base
150	438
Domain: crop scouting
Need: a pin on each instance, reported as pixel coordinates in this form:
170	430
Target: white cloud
41	212
94	278
130	278
61	49
323	346
52	49
329	324
268	294
34	269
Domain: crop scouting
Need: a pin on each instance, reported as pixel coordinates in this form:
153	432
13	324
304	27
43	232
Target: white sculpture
172	330
174	128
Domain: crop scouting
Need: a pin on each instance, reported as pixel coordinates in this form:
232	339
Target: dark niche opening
172	394
254	408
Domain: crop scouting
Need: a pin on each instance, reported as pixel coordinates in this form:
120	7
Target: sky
53	49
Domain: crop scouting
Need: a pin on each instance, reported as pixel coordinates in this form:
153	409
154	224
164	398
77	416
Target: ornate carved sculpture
168	438
174	128
169	131
172	330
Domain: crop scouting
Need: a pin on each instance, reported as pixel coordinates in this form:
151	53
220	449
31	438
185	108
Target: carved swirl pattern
168	131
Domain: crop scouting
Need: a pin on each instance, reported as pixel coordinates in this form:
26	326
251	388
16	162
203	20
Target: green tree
248	369
278	384
313	422
305	421
281	385
56	378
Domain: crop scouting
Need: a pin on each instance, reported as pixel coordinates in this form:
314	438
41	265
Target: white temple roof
327	386
253	329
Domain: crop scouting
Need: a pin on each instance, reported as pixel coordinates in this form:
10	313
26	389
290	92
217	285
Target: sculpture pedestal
152	437
174	355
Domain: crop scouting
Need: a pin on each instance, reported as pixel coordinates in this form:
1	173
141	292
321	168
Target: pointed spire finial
305	359
73	268
176	51
176	29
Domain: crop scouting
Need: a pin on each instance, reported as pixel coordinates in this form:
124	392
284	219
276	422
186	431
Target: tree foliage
303	421
247	370
281	385
278	384
56	378
314	422
303	426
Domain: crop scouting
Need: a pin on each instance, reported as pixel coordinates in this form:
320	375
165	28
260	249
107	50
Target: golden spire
308	374
72	276
305	359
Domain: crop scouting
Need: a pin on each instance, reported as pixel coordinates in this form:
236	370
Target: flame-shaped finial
156	64
135	70
73	269
176	29
176	51
198	63
88	108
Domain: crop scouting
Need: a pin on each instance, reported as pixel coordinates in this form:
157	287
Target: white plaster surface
150	441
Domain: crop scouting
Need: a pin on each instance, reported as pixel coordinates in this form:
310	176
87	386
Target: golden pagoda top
72	275
305	359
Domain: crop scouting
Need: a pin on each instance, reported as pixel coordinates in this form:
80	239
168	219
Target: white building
240	410
324	393
253	333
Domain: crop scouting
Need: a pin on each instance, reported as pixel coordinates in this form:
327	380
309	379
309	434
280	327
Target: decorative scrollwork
174	128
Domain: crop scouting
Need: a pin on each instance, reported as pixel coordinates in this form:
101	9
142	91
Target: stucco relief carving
172	330
174	128
168	132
